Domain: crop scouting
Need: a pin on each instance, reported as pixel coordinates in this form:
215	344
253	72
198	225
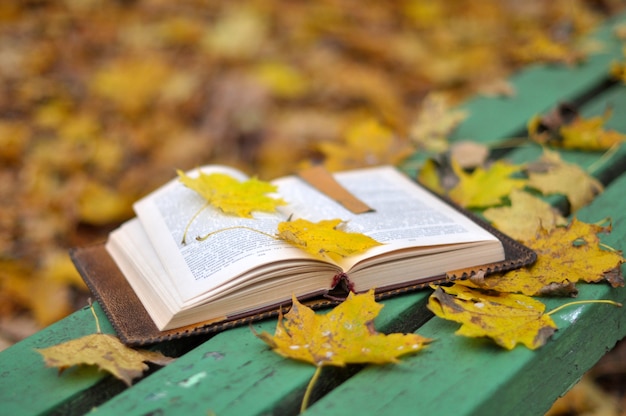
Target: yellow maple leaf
508	319
552	175
343	336
565	255
105	351
367	143
526	215
485	187
235	197
324	238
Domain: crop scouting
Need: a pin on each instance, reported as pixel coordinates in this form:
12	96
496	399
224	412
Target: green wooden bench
234	373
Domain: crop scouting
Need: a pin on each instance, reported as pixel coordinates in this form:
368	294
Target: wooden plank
28	387
465	376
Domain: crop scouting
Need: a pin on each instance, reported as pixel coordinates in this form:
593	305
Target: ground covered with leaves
101	102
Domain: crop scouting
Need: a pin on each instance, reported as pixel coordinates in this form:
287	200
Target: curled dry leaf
104	351
552	175
526	215
565	255
508	319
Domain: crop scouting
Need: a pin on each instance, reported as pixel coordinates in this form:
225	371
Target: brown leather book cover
135	327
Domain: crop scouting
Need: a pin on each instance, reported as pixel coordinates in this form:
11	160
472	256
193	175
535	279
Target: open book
237	272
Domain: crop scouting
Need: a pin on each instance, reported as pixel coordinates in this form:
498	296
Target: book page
405	214
200	266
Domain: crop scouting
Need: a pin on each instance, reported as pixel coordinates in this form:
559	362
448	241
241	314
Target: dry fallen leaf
590	134
552	175
343	336
565	255
434	124
105	351
526	215
508	319
324	238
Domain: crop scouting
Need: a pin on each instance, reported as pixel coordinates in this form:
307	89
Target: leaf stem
204	237
584	302
309	388
202	208
603	159
93	312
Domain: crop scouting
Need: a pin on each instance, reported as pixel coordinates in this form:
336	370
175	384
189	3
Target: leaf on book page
105	351
526	215
552	175
565	255
235	197
324	238
343	336
508	319
485	187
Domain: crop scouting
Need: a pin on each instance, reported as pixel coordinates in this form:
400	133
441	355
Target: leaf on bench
508	319
565	256
343	336
552	175
105	351
526	215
